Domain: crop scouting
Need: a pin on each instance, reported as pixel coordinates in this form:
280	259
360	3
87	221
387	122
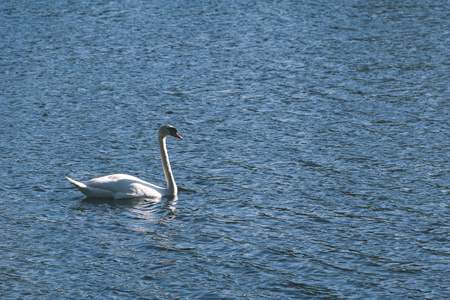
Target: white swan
121	186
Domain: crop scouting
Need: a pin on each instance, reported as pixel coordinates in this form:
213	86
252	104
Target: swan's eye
174	132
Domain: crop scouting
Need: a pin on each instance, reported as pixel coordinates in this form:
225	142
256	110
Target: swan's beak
175	134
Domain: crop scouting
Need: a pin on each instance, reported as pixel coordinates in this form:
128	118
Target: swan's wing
118	186
125	186
91	191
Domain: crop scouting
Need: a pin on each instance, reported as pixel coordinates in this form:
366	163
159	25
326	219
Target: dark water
314	161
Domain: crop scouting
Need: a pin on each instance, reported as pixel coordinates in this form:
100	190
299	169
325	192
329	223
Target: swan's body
121	186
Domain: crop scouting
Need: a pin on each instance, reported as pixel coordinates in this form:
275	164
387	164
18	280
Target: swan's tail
79	185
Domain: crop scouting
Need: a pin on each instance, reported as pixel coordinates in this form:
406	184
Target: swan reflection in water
149	209
152	209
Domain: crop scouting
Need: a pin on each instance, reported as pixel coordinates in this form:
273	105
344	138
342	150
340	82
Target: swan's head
169	130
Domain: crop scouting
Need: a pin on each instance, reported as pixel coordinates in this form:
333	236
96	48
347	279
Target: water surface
314	161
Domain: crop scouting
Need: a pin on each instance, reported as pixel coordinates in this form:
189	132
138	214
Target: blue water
314	161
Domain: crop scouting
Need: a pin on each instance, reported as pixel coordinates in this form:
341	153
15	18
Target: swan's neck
171	185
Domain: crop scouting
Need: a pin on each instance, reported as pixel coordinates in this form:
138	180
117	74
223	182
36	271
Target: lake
314	162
